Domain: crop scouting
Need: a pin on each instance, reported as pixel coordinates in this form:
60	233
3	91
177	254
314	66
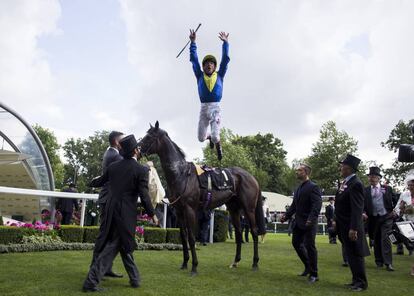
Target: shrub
90	234
41	239
173	236
71	233
14	235
221	225
155	235
1	221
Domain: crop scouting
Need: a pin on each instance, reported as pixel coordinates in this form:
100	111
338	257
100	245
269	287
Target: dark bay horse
186	195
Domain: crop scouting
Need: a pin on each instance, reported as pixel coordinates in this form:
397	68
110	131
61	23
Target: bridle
154	141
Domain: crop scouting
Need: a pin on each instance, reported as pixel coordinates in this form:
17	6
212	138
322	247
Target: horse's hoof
234	265
183	267
255	268
193	273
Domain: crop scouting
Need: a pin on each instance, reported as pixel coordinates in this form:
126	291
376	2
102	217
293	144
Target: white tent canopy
276	201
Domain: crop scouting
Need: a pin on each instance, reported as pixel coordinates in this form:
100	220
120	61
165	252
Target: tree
400	134
332	147
84	158
268	156
51	145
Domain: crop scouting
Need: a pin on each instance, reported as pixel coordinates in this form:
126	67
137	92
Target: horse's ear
151	125
157	125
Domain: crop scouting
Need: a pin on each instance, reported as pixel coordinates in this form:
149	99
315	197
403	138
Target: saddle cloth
214	178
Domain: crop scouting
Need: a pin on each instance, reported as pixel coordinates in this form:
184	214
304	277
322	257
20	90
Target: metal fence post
164	221
83	210
211	226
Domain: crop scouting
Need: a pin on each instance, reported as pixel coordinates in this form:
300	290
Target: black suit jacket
127	179
67	204
388	196
307	203
349	206
110	156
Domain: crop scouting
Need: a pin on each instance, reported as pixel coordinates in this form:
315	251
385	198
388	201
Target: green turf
63	272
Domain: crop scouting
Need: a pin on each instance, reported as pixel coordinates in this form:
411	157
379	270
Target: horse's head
151	142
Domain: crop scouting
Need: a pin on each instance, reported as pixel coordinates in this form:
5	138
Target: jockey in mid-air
210	90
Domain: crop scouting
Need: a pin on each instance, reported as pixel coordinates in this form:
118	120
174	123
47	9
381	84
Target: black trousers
66	218
105	258
303	240
382	245
99	239
356	264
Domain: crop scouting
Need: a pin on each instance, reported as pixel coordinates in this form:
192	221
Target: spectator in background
330	215
204	217
266	216
66	205
244	228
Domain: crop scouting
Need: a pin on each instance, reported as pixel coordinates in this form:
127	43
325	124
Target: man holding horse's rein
210	90
307	203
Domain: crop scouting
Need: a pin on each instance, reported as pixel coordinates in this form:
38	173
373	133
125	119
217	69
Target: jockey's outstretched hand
192	35
224	36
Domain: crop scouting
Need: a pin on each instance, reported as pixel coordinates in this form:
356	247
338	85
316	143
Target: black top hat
374	171
128	144
351	161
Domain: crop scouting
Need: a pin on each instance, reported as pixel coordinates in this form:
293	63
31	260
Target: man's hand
308	223
283	219
353	235
192	35
364	217
334	225
155	220
223	36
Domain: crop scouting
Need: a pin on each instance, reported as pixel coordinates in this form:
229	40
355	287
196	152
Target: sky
76	67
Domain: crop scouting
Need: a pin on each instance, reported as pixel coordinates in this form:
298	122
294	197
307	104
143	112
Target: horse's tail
260	221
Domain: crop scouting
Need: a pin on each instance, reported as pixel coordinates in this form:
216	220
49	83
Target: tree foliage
51	145
331	147
400	134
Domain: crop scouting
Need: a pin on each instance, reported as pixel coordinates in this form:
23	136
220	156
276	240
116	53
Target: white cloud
294	66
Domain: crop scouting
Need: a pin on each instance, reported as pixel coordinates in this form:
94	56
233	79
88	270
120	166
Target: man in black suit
349	206
330	214
127	179
379	211
307	203
110	156
66	205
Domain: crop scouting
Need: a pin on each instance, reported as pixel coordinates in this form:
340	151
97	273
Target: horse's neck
172	162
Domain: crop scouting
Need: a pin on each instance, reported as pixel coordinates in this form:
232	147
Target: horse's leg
235	219
190	219
253	228
184	240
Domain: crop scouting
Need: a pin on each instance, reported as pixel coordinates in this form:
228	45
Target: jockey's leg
215	131
203	123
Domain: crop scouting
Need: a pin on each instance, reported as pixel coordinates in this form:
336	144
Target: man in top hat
127	179
379	211
66	205
349	206
306	205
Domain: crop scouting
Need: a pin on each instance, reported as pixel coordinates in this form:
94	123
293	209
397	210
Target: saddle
214	178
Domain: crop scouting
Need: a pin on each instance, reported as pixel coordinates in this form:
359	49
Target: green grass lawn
63	272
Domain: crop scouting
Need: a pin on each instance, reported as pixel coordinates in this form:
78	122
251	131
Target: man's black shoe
219	151
113	274
390	268
313	279
357	289
345	264
304	273
92	289
350	285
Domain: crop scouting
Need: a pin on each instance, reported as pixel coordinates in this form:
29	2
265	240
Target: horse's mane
180	151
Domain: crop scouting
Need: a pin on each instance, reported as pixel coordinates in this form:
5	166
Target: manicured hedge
14	235
221	225
71	233
90	234
173	236
155	235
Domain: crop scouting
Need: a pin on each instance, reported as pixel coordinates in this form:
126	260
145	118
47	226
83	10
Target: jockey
210	89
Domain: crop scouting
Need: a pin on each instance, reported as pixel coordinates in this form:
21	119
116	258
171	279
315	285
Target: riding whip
188	42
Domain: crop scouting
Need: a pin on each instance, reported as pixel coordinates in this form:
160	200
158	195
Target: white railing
286	223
